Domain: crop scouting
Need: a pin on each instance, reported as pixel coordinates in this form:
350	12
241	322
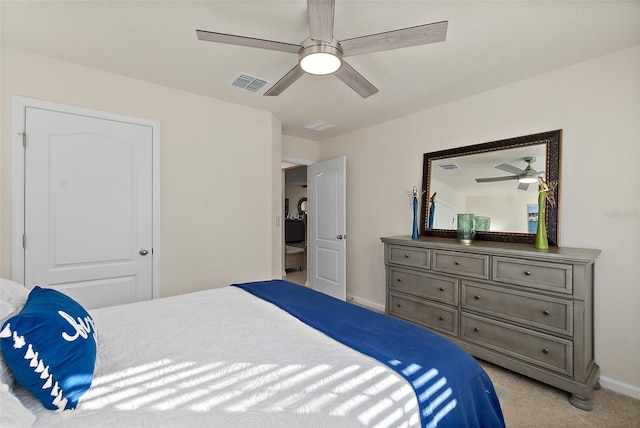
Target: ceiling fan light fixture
528	179
320	59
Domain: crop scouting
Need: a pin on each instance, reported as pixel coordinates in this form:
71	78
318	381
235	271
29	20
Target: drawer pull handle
399	280
456	263
476	297
399	305
545	351
546	312
527	273
441	318
407	255
476	329
441	288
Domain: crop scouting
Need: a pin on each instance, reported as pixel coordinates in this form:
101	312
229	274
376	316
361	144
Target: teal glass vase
483	224
466	228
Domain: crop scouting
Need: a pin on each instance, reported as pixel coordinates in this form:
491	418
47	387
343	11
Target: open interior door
327	227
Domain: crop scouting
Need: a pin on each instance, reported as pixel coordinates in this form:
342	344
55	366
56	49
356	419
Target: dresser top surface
582	255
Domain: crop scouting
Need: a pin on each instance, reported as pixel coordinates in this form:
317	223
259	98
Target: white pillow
13	296
13	414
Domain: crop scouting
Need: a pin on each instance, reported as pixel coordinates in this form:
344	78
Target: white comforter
226	358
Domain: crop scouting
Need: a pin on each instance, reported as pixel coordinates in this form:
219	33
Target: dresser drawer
428	314
473	265
552	314
546	276
409	256
541	349
436	287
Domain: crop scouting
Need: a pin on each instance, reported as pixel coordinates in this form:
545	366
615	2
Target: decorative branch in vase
545	194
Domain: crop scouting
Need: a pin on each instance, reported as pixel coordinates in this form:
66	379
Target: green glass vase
483	224
466	228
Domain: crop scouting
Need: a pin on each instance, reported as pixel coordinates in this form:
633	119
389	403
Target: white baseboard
620	387
366	303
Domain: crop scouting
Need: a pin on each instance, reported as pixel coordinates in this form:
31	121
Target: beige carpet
528	403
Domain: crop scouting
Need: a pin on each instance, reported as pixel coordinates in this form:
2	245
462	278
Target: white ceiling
483	165
489	44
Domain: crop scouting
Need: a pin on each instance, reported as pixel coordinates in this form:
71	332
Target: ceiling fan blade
523	186
355	80
321	17
251	42
405	37
492	179
510	168
287	80
533	171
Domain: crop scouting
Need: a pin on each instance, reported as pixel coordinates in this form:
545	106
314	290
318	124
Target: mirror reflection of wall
502	201
445	216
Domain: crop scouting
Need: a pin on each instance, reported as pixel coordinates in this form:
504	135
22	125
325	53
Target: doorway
295	223
323	207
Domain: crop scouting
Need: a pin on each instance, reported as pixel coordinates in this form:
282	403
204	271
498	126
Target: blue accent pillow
50	347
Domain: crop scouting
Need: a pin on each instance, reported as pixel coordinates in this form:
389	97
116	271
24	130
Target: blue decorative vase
415	234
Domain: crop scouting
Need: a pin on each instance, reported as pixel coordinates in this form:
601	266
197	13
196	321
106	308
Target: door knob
143	251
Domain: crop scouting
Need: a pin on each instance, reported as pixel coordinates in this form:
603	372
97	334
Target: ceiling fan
322	54
525	176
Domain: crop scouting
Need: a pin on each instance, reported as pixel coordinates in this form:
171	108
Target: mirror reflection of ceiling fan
525	176
322	54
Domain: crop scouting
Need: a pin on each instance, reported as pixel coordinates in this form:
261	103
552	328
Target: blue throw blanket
451	387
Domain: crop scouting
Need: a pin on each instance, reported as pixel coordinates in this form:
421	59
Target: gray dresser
527	310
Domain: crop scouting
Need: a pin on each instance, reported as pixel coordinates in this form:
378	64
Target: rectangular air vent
319	126
449	167
248	82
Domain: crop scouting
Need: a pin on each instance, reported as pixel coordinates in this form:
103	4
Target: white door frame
19	106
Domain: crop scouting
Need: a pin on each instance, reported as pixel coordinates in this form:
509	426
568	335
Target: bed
294	257
268	353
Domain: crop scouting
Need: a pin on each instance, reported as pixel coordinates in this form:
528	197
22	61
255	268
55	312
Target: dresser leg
581	402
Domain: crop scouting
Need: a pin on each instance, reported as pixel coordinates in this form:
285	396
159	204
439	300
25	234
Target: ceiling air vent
449	167
319	126
250	83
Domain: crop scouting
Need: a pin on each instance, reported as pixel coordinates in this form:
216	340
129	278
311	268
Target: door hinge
24	241
24	138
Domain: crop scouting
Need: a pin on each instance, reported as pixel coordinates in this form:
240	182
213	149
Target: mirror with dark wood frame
489	180
302	206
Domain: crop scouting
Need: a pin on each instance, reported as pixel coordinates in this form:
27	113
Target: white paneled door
328	248
88	207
